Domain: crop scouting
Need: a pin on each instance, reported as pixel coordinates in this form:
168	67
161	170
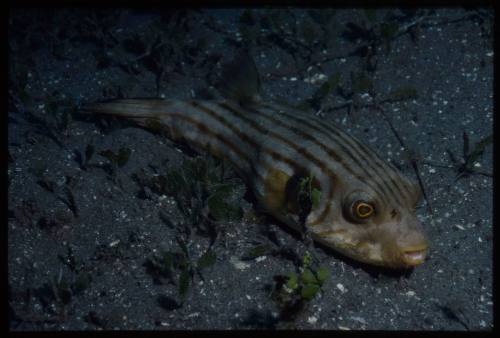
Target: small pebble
341	288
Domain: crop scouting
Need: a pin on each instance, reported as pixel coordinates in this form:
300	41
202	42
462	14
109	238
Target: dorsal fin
240	80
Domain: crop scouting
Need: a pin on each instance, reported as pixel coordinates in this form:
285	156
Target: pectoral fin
274	198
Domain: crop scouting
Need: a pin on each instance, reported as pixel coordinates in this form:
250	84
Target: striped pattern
267	137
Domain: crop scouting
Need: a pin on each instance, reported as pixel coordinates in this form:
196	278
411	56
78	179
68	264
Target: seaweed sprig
466	166
82	161
179	268
294	290
116	160
469	163
204	197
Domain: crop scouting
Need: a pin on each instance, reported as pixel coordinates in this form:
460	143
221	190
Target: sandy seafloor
56	55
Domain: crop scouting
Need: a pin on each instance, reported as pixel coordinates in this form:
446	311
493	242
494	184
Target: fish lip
414	256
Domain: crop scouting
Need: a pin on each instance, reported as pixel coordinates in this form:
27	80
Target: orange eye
362	209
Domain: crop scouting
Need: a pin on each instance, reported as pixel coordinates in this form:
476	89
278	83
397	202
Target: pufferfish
366	208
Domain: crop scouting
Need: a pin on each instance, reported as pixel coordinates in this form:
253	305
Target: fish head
372	229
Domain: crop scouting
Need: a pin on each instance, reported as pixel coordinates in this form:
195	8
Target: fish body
366	208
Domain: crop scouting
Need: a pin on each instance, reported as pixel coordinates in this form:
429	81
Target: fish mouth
414	256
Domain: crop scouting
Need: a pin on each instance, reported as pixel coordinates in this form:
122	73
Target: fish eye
359	206
362	209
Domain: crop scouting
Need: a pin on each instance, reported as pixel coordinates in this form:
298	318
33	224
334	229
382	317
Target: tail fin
183	121
130	108
146	113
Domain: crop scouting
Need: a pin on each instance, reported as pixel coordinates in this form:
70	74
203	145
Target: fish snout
413	248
